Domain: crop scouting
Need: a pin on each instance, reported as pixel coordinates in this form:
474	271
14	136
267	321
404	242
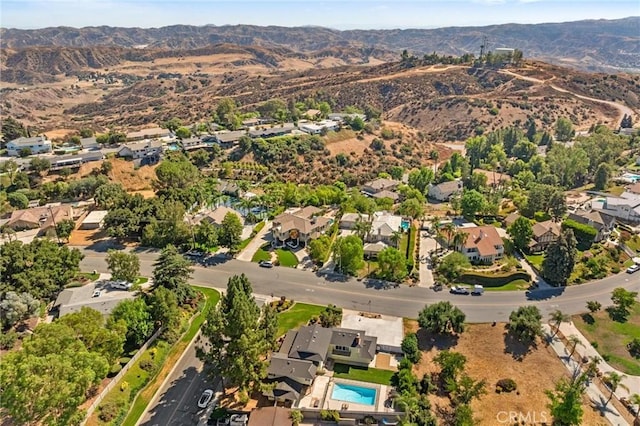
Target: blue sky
340	14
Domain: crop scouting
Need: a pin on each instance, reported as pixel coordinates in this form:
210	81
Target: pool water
355	394
405	224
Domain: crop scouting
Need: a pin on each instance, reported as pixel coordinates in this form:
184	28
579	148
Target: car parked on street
633	268
205	399
459	290
266	264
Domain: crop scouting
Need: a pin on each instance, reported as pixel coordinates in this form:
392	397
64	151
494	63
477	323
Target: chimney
357	340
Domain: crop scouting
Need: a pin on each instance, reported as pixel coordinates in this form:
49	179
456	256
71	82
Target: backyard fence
119	376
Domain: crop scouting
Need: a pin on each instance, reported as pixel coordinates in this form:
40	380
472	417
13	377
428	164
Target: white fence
119	376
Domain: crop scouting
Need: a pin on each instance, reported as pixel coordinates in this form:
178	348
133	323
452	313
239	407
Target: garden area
284	257
610	337
598	262
297	315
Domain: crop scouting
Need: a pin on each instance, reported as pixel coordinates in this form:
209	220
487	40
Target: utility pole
483	47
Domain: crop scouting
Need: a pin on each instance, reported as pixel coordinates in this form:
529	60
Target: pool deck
323	388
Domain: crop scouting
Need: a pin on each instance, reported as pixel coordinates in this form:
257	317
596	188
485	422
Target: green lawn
287	258
612	337
512	286
299	314
535	260
141	280
261	254
144	397
633	243
246	242
362	374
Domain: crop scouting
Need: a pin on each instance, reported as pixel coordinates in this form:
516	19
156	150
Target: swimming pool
405	224
631	176
355	394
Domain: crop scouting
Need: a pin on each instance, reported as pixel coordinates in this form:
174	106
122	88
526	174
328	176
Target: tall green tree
560	258
566	401
442	318
601	178
614	380
451	364
348	254
392	265
123	266
230	232
135	314
521	232
173	272
64	228
472	202
12	129
525	323
622	300
410	348
412	208
564	129
557	317
41	268
237	337
165	311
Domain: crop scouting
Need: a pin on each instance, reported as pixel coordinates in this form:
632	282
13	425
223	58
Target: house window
342	348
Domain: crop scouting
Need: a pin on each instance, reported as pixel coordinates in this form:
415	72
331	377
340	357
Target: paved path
632	382
592	391
257	242
535	278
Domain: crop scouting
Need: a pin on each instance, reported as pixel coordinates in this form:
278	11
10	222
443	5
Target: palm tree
396	237
362	228
635	400
459	239
557	318
436	228
574	341
614	381
450	229
592	367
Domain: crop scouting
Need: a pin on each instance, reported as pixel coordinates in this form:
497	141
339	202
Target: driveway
427	244
258	241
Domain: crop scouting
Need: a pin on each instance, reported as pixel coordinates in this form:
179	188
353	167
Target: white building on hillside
35	145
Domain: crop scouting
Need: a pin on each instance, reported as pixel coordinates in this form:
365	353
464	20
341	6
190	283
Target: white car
97	293
633	268
205	399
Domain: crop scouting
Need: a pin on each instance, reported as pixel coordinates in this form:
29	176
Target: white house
443	191
35	145
319	127
625	208
139	150
383	226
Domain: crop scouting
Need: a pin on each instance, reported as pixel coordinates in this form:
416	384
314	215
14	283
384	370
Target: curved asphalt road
404	301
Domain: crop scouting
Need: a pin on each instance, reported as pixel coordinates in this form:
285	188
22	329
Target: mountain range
590	45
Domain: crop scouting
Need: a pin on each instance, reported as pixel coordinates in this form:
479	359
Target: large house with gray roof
306	350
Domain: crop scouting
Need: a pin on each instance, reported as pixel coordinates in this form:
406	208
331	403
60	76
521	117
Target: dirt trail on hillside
622	109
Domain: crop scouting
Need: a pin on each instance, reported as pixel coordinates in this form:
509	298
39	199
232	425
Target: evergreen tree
559	260
601	178
531	131
238	337
173	271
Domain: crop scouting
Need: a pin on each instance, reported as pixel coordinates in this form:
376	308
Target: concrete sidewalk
632	382
596	397
535	278
258	241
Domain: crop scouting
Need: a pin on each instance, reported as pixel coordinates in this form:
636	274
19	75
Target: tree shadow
428	341
103	246
544	293
515	347
600	403
588	318
618	315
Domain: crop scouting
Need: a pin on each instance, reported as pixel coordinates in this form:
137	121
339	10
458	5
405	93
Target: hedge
493	280
584	234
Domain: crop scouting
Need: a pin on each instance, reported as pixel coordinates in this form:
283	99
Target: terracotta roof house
44	217
544	233
482	245
443	191
270	416
378	185
312	113
494	178
634	189
603	223
305	350
511	217
216	216
151	133
299	226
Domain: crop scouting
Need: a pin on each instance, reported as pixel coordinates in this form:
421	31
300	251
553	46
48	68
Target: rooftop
483	238
23	141
542	228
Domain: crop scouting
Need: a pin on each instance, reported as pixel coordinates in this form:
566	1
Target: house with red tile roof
482	245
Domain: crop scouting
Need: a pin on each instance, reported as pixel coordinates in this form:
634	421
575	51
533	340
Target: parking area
98	295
